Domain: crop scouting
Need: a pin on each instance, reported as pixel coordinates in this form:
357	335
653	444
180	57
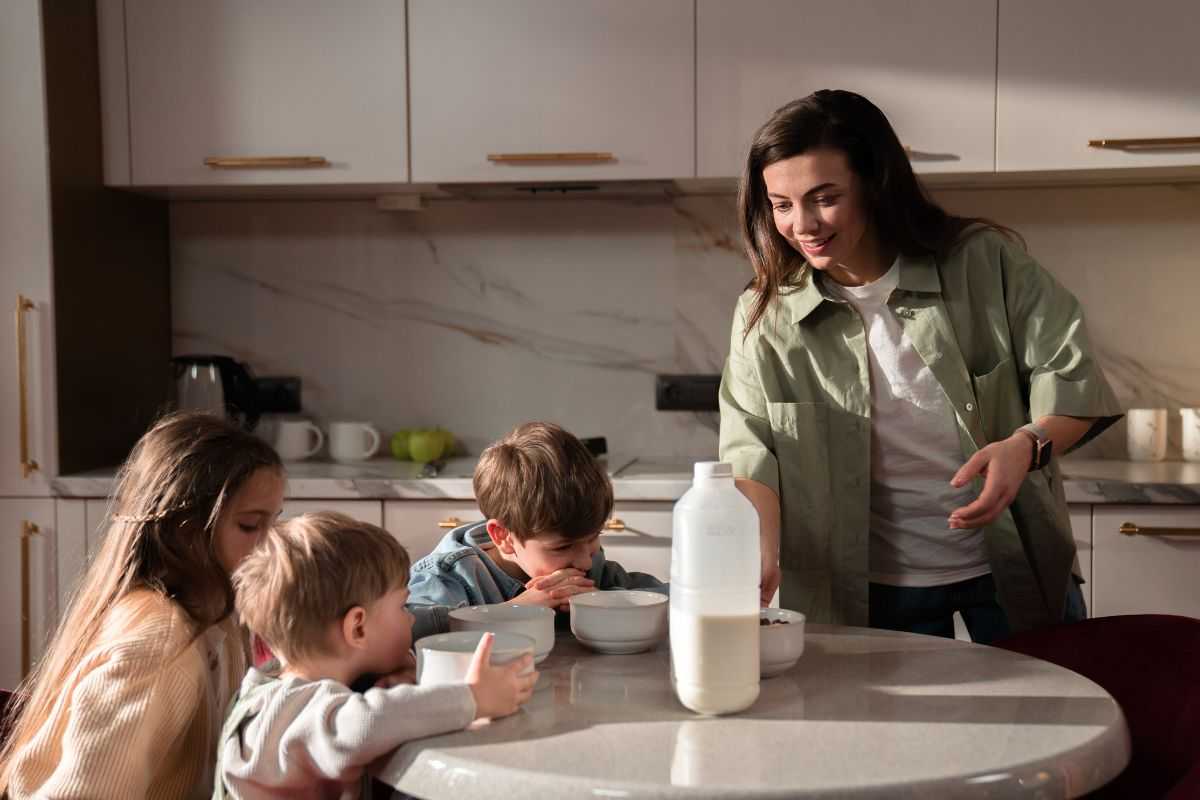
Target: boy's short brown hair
308	572
540	479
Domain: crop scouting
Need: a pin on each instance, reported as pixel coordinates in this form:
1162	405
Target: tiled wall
478	315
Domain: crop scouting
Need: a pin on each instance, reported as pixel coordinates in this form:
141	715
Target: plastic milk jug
715	572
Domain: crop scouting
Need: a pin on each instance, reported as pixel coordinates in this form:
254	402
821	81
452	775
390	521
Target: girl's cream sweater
140	714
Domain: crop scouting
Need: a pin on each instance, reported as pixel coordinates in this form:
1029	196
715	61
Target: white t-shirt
915	452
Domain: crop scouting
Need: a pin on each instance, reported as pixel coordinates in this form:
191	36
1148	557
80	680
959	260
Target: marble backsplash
479	315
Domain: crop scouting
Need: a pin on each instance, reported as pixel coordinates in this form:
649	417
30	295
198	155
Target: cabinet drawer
638	537
1148	573
420	524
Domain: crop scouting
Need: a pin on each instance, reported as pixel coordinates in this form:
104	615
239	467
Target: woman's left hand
1003	466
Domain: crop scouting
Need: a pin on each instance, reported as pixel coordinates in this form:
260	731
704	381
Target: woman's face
247	516
817	205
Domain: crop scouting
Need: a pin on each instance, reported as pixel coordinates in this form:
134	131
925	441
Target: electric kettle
217	384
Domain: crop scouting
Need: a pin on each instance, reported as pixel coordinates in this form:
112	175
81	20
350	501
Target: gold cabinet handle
1146	145
28	531
28	465
1130	529
265	162
449	522
614	524
554	158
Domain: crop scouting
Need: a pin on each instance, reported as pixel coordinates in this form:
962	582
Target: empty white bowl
445	657
619	620
779	645
536	622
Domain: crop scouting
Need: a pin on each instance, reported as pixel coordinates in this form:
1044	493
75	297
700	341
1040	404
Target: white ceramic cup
297	439
353	441
445	657
1146	433
1191	433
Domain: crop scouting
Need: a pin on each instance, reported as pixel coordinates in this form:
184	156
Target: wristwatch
1041	445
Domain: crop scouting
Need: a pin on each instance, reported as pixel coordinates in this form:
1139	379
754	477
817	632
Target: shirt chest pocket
1001	400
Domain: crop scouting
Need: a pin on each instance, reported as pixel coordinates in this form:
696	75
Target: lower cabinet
638	537
1081	529
420	524
28	584
365	510
1153	571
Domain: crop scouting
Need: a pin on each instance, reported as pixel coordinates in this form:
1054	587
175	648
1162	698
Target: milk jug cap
712	469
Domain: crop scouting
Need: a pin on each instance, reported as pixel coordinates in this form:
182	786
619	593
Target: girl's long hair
901	213
169	496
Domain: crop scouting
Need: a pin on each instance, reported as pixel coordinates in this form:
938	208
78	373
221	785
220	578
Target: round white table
864	714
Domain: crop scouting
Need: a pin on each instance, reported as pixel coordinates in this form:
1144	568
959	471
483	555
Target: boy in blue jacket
546	499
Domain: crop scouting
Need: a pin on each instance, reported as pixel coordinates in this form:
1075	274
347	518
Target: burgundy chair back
1150	663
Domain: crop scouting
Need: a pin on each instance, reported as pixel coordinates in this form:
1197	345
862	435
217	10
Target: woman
886	363
129	697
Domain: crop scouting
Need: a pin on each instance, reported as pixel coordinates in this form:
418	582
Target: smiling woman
897	381
129	697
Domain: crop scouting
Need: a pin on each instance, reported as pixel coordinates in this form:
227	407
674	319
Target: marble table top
863	714
634	479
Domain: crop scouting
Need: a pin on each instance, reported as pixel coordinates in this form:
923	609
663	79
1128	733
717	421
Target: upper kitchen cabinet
264	92
1072	72
928	64
542	90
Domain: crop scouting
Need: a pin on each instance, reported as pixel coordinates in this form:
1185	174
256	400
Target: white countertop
1087	481
863	714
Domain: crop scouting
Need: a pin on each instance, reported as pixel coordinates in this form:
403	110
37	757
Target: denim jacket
458	573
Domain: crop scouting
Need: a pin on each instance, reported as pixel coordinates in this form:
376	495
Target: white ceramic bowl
619	620
779	645
536	622
445	657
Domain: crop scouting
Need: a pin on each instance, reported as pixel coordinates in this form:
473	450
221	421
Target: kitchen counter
1090	481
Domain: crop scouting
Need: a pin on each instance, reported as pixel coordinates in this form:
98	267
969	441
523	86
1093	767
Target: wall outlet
686	392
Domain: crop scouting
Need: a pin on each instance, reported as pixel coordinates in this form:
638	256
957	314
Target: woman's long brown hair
902	214
164	511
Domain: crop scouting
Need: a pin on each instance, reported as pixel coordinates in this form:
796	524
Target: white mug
1191	433
297	439
1146	433
353	441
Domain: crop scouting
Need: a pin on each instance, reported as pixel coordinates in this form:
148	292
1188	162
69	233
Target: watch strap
1041	445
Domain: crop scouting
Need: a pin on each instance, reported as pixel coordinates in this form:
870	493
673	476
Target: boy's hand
499	691
555	590
405	673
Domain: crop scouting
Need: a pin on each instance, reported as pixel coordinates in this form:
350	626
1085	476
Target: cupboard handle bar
1130	529
28	465
1167	143
544	158
28	531
614	524
449	522
265	162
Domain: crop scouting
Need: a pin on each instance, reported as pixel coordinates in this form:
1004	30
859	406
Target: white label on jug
715	660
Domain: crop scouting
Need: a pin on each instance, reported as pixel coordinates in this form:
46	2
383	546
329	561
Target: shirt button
970	406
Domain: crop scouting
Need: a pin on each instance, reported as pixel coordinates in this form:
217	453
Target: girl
129	697
897	381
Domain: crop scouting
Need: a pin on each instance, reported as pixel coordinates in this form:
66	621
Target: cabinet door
549	78
928	64
28	584
1150	573
1081	529
290	78
638	537
420	524
24	258
366	510
1072	71
71	545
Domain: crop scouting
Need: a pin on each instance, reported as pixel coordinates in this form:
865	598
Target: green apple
400	444
426	446
447	441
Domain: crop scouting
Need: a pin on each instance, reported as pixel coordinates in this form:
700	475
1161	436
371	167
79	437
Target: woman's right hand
501	690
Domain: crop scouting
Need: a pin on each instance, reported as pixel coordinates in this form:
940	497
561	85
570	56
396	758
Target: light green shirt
1006	342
